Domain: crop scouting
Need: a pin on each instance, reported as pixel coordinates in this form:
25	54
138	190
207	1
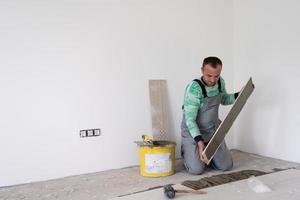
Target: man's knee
223	159
195	170
225	166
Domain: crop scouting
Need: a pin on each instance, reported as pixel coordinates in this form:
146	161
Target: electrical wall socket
90	132
97	132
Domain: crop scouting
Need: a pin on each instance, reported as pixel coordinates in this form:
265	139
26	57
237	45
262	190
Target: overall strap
219	85
202	87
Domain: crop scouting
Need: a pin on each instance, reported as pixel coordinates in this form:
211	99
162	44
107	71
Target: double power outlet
90	132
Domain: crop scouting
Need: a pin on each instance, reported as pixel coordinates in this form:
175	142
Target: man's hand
201	147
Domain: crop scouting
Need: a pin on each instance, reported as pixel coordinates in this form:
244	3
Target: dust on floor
113	183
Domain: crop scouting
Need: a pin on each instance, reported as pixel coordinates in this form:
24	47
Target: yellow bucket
158	159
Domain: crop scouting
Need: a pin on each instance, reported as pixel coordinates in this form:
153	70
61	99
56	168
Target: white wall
71	65
267	47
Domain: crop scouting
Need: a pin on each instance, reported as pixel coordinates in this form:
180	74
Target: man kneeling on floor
201	118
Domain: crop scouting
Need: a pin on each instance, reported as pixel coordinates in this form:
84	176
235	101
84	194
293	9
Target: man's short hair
212	61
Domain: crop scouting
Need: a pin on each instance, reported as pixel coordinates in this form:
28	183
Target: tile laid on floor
279	185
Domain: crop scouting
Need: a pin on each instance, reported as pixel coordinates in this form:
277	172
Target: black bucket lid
156	143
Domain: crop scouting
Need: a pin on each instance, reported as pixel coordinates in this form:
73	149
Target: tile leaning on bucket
157	93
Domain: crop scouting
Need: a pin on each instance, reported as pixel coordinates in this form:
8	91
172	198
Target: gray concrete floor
280	185
113	183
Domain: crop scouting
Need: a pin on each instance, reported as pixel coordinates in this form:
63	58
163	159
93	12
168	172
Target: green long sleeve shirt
194	100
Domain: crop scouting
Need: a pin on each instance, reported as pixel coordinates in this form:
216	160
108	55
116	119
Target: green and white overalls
200	121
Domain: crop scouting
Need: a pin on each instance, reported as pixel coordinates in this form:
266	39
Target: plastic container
157	159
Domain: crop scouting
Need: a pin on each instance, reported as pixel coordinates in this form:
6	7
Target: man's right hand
201	147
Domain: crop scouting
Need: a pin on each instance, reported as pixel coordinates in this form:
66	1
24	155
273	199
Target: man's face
211	75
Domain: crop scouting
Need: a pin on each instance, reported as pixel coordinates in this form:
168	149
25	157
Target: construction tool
147	139
170	192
